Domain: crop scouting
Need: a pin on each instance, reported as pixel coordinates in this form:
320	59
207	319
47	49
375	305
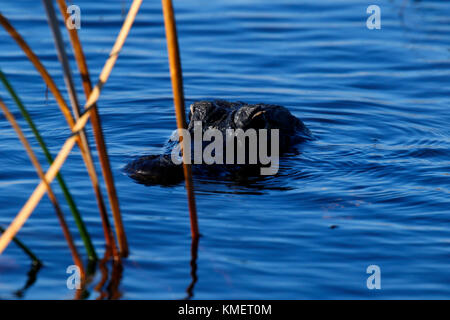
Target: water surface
372	188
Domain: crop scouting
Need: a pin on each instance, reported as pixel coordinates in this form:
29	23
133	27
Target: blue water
371	189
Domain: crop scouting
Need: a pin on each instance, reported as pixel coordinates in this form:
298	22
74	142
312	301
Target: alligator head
224	118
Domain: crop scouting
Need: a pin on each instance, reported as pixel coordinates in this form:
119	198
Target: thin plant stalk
51	194
178	98
85	153
76	214
35	260
98	132
62	55
39	67
54	26
38	193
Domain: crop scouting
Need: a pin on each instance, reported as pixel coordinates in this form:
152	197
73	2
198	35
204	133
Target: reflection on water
31	279
372	188
194	251
108	287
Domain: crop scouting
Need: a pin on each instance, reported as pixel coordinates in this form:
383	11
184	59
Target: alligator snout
216	121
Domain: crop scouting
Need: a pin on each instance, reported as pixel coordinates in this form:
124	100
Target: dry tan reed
53	23
34	199
87	157
98	132
10	117
178	98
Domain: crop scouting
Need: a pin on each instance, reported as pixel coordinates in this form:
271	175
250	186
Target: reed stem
35	260
98	133
53	23
73	208
51	195
85	153
37	194
178	98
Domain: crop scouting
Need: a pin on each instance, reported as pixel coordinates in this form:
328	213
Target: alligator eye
258	114
258	120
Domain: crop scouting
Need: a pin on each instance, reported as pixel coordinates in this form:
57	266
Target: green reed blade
73	208
29	253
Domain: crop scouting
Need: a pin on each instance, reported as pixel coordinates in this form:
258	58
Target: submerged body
223	123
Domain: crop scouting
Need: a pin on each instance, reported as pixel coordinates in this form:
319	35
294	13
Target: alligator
219	123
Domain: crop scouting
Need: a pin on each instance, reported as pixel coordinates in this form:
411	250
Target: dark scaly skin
221	115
